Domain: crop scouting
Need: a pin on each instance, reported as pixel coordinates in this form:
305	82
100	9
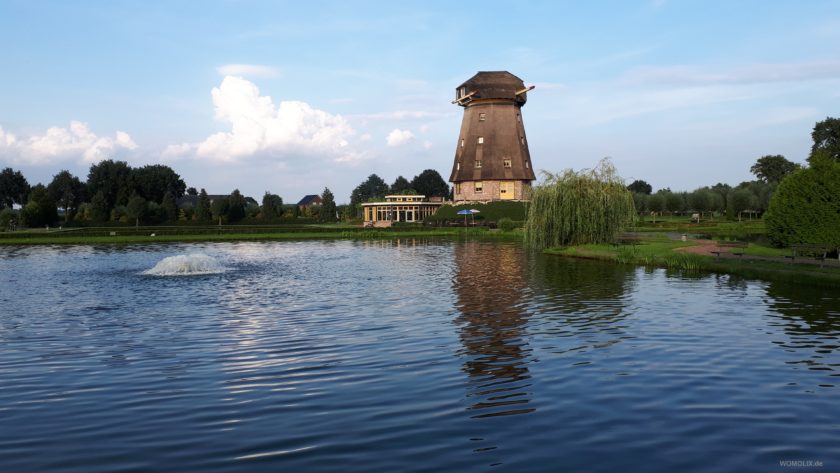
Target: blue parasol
465	212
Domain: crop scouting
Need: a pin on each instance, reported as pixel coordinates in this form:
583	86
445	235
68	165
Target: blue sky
295	96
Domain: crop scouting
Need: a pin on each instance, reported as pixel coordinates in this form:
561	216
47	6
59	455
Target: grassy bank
231	234
658	252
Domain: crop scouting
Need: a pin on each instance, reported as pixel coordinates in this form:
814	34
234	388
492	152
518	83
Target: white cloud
365	137
247	70
427	144
58	143
399	137
6	139
258	127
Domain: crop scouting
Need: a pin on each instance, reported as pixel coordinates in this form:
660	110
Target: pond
406	355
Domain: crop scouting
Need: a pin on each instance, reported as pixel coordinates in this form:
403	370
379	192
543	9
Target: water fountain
186	265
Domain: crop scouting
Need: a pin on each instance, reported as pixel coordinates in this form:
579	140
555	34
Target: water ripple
405	355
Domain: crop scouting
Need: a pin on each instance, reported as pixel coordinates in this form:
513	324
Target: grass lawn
656	251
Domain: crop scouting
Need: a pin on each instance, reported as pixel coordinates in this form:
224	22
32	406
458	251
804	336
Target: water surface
406	356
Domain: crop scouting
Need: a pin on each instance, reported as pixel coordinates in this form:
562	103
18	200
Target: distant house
309	201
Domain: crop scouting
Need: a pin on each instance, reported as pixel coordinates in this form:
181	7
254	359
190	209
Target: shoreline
667	255
337	234
651	252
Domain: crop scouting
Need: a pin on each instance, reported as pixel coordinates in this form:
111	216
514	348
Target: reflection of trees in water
810	317
581	304
490	287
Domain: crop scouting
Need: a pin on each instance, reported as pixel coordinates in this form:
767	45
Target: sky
293	97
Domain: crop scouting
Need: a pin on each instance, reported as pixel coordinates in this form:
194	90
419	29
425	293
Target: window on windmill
457	187
527	166
479	187
458	166
478	164
522	139
482	117
481	140
508	163
462	142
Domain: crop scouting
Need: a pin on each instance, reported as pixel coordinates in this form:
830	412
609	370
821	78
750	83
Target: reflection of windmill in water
489	292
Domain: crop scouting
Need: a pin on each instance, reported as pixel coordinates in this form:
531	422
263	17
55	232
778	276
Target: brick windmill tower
492	161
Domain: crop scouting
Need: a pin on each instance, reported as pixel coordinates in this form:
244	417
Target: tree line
749	197
116	192
800	204
154	194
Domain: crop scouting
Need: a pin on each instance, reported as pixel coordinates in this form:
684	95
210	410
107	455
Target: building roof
310	199
493	85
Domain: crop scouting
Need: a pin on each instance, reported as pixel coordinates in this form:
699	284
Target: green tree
762	191
113	180
674	202
741	200
186	212
656	203
136	209
641	187
806	206
99	208
723	191
67	192
327	206
8	218
13	188
219	207
373	187
773	168
272	206
399	186
430	184
575	208
170	207
202	210
236	207
152	182
640	202
40	209
191	191
701	201
826	136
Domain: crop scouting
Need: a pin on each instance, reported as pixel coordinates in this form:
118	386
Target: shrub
806	207
505	224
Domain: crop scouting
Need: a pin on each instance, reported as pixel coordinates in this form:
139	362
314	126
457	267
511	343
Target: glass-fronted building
400	208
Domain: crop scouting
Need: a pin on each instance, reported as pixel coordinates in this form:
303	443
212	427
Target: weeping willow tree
572	208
